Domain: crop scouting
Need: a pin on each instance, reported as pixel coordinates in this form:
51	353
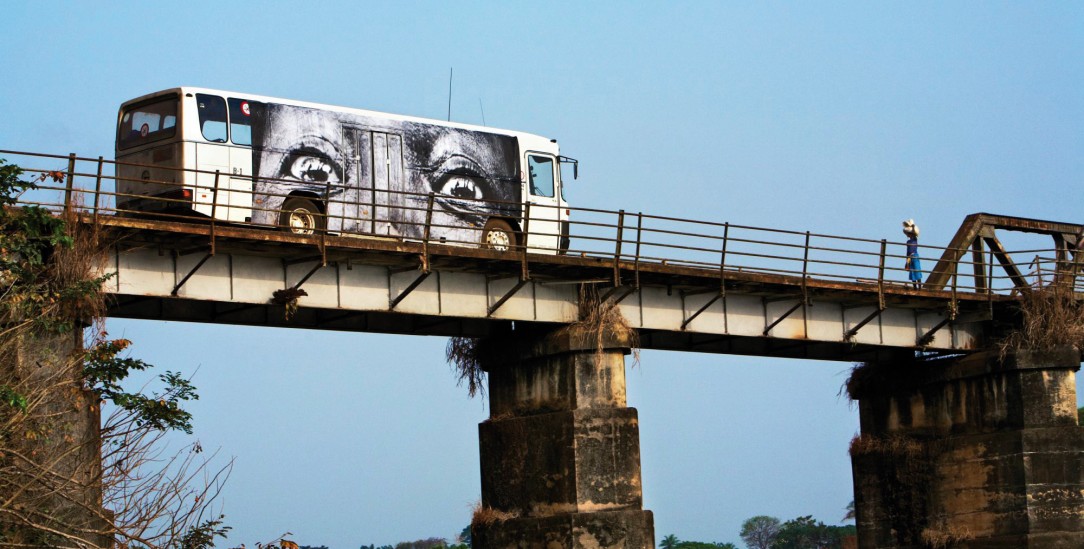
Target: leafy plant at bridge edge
60	484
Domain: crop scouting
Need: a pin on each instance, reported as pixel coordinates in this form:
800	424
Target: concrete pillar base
572	530
562	462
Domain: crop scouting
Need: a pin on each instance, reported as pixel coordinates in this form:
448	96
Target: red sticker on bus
144	130
245	109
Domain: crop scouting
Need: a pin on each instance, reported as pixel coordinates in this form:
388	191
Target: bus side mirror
575	165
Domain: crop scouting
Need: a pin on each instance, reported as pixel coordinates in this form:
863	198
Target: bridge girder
229	274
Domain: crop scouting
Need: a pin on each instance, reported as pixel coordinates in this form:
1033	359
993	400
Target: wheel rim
498	240
302	221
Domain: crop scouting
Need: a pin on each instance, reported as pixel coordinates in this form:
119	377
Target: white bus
308	168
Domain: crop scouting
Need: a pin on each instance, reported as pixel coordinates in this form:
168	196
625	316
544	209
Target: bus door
212	154
544	225
239	187
389	203
357	196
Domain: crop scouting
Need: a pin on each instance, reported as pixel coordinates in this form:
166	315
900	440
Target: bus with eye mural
307	168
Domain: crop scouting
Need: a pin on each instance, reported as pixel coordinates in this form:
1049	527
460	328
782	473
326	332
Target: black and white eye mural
374	175
473	175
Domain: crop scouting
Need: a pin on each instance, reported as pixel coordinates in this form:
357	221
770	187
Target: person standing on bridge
914	264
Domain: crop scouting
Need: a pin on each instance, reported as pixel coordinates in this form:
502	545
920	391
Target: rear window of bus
148	122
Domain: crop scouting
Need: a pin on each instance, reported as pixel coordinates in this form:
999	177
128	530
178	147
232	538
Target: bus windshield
148	122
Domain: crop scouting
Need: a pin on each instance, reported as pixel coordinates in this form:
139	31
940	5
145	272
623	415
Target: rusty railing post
639	230
617	247
526	223
525	273
722	259
881	276
426	233
97	189
214	212
805	270
954	307
69	181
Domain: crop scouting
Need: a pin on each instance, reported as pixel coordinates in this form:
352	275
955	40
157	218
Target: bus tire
498	235
301	216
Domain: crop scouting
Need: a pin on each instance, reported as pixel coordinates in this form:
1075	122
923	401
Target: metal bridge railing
626	238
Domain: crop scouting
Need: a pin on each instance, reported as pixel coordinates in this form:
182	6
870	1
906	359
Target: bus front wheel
498	235
300	216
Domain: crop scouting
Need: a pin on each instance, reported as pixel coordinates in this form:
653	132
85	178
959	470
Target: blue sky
841	118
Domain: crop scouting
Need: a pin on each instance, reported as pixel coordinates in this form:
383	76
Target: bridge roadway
200	272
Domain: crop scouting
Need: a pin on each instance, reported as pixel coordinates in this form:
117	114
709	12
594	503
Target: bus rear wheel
300	216
498	235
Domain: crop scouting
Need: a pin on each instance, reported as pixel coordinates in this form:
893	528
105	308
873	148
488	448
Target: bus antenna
483	111
450	70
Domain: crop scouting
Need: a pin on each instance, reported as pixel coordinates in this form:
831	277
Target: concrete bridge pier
975	452
51	467
560	453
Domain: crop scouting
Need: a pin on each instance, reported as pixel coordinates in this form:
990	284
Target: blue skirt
914	268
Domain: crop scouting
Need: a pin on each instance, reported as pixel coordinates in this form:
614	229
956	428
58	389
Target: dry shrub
945	536
871	376
603	319
483	515
77	267
288	298
462	353
890	445
862	374
1050	317
67	480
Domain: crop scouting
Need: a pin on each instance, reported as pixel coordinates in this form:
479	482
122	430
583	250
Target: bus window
212	117
242	111
541	170
146	123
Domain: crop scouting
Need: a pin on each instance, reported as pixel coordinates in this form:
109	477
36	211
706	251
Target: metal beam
177	288
402	295
785	315
1007	263
493	308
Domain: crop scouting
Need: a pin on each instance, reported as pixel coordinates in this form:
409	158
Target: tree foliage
807	533
202	536
669	542
60	484
427	543
764	532
672	542
104	369
704	545
759	532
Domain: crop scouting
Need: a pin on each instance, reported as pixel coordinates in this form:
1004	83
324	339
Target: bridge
686	285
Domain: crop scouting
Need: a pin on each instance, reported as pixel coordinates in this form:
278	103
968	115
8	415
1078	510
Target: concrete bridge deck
170	270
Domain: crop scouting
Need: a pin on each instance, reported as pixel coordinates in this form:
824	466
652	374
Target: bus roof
183	90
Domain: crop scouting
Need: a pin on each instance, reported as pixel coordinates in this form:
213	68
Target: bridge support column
50	458
976	452
560	453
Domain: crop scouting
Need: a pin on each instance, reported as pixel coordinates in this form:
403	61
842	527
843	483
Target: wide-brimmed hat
910	229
